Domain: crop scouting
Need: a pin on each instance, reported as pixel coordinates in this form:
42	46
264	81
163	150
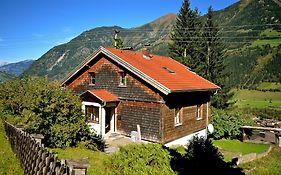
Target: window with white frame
92	78
178	116
92	114
122	79
199	112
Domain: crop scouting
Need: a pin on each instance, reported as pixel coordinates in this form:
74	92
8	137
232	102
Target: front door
108	118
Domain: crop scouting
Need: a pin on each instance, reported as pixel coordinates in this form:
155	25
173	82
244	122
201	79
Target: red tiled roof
103	95
165	70
164	73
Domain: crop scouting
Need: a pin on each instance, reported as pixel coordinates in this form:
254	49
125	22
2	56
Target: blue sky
29	28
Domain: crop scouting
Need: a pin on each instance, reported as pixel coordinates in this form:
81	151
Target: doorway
109	119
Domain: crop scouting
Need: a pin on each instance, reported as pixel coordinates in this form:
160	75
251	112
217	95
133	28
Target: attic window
122	79
92	78
168	70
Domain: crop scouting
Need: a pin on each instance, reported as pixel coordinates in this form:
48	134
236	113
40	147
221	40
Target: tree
117	41
211	60
184	36
44	108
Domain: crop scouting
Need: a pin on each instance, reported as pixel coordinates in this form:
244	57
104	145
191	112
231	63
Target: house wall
145	114
189	123
139	104
107	77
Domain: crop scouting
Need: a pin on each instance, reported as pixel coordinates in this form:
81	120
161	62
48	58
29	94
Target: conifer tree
184	36
211	63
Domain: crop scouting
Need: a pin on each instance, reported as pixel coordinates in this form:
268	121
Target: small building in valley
121	89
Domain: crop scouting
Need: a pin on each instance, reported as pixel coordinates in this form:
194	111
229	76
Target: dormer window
92	78
122	79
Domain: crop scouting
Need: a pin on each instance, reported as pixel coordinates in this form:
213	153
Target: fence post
38	138
77	166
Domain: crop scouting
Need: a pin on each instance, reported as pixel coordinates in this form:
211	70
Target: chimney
146	53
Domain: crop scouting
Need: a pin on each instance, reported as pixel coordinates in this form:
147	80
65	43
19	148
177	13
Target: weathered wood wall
190	124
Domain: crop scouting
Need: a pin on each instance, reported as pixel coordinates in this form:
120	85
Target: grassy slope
269	86
9	165
256	99
266	165
96	158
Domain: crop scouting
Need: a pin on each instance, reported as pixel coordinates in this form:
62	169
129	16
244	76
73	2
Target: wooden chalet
121	89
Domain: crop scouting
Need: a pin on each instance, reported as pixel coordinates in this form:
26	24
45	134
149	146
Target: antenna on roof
116	37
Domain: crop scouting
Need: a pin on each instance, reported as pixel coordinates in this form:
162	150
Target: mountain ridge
242	24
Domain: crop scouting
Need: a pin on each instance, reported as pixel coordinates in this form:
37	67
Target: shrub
227	123
141	159
43	107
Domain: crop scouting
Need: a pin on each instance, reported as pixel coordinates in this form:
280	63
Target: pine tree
184	36
212	60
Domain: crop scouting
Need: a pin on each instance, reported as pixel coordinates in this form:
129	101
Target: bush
227	123
141	159
44	108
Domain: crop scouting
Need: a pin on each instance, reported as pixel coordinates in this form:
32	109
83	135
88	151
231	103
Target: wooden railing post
77	166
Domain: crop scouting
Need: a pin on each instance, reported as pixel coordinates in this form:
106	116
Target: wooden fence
34	158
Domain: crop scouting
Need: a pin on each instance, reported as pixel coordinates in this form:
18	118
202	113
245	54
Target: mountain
16	68
60	60
2	63
4	76
250	31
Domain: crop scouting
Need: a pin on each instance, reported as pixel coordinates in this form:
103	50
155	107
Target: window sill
122	86
92	84
178	124
198	119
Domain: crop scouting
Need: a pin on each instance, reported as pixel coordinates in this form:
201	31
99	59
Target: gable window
122	79
199	112
92	114
178	116
92	78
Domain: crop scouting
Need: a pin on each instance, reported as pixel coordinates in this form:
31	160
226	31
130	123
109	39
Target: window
123	79
92	114
178	116
199	112
92	78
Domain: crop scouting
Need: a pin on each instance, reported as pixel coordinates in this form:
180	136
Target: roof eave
195	90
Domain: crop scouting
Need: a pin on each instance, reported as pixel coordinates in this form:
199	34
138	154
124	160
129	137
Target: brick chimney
146	53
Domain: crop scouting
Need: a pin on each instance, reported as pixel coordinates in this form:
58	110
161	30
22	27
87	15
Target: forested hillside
250	32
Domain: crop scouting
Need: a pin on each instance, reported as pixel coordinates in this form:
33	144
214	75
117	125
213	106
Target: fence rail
34	158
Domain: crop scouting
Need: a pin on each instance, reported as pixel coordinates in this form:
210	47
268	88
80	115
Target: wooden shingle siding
145	114
107	77
188	102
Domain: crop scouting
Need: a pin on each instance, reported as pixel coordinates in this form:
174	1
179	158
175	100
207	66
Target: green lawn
96	158
240	147
269	165
9	165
